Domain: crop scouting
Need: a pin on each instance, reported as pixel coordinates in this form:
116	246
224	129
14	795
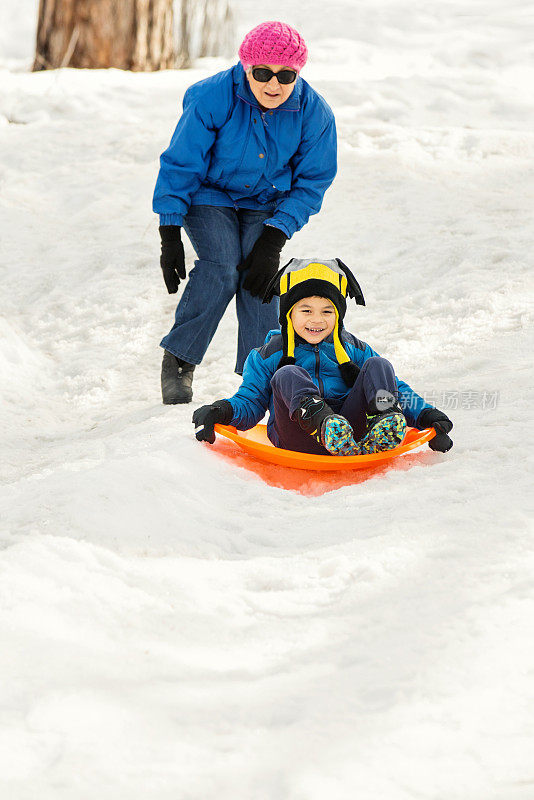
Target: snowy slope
172	624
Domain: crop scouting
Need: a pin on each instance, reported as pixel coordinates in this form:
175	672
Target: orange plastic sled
256	443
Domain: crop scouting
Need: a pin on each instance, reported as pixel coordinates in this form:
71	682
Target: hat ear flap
273	287
286	361
353	287
349	372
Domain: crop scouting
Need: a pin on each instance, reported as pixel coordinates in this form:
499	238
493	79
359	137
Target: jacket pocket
214	171
283	179
228	153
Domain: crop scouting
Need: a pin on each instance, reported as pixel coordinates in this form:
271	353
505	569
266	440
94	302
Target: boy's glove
205	418
264	260
172	259
432	418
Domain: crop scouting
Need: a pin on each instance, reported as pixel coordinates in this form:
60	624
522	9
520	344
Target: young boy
326	391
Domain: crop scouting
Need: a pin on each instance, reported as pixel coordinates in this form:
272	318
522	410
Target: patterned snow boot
384	430
176	380
331	430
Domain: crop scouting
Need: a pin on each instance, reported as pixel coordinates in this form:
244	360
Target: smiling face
313	318
271	94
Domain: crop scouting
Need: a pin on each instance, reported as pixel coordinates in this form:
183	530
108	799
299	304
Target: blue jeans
222	237
291	384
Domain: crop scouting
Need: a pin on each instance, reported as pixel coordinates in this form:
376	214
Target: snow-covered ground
176	625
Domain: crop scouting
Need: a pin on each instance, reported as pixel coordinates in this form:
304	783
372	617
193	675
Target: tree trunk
184	49
95	34
217	29
206	28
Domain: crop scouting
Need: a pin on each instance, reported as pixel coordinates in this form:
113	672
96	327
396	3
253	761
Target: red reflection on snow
313	483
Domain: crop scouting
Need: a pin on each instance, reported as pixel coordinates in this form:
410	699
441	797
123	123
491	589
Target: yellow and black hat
308	277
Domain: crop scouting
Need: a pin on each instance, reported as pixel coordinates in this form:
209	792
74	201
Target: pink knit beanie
273	43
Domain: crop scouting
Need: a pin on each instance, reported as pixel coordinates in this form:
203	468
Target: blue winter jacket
255	396
226	151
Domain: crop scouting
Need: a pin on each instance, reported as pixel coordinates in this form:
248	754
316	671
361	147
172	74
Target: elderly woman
250	160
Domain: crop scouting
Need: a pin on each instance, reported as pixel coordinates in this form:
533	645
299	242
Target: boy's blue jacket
226	151
255	396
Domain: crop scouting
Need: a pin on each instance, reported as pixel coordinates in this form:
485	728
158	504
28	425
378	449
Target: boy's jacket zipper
317	365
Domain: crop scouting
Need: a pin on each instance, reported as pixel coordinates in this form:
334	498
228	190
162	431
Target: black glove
172	259
264	260
205	418
432	418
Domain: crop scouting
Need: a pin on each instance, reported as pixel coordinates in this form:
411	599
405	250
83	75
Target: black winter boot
176	380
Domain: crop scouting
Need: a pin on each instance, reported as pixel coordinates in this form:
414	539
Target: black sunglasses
264	75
